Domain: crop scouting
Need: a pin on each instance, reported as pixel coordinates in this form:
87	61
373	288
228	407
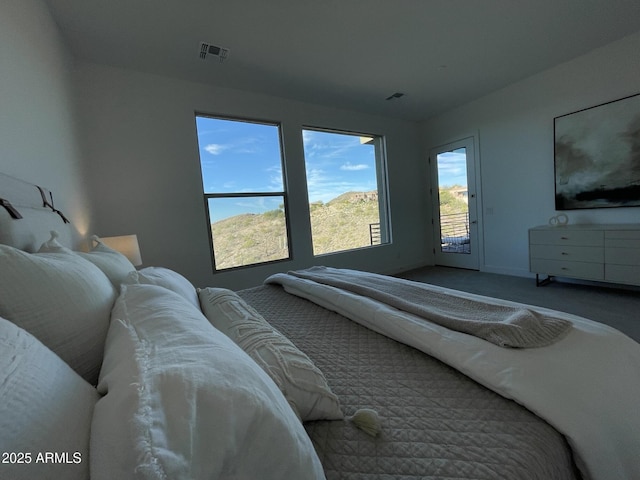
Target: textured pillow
44	407
60	298
301	382
166	278
112	263
181	400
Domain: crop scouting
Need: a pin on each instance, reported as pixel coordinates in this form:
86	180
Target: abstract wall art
597	156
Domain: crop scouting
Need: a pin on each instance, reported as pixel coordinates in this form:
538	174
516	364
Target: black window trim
283	194
383	181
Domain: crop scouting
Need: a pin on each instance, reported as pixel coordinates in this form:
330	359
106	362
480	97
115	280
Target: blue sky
452	168
245	157
337	163
239	156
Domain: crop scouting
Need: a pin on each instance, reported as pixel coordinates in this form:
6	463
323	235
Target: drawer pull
564	253
564	238
564	268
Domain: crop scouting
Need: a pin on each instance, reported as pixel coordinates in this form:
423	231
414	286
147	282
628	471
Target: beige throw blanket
505	326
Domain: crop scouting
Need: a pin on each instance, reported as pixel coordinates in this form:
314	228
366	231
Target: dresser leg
543	282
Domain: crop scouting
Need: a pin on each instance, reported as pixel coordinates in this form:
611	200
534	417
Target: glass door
454	201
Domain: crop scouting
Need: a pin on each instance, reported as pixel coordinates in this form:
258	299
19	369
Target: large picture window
346	184
243	183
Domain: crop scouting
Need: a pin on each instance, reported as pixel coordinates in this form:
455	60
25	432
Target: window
243	183
346	184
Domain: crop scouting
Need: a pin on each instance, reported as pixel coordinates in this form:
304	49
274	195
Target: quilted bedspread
437	423
585	384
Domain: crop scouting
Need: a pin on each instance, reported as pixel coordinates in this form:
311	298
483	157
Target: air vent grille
210	51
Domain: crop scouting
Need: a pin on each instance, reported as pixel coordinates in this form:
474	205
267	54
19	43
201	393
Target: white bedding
163	409
180	400
586	385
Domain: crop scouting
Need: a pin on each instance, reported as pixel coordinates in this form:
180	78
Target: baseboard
405	268
593	283
577	281
515	272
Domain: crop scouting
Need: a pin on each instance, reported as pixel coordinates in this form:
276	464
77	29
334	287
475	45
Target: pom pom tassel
367	420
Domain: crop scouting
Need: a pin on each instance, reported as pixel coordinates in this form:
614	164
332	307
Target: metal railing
374	234
454	232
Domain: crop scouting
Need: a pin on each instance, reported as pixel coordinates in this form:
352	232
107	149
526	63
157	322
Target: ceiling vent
210	51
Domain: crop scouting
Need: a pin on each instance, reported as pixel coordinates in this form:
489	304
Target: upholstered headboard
28	214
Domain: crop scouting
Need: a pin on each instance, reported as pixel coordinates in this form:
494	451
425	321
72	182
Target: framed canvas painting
597	156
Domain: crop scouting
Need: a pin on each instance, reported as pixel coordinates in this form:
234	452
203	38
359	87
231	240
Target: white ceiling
347	53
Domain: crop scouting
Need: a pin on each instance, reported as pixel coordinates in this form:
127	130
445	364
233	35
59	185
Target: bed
108	371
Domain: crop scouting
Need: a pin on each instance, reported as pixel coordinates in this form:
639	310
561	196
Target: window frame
382	180
254	194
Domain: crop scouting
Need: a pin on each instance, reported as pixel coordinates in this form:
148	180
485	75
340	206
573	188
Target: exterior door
454	199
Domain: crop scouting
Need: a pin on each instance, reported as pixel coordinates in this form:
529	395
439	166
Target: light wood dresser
600	252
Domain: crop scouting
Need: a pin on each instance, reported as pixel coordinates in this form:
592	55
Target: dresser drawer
629	274
600	252
562	236
586	270
567	253
623	234
622	238
622	256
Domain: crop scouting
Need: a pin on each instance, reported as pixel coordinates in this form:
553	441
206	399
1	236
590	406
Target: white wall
515	131
139	158
141	150
37	117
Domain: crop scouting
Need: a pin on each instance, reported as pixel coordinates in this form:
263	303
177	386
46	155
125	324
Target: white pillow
112	263
62	299
166	278
301	382
44	407
181	400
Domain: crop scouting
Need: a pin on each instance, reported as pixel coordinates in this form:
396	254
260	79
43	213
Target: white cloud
274	173
352	168
252	204
452	168
327	146
215	148
324	187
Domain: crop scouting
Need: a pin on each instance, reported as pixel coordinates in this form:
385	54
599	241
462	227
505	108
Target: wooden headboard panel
28	214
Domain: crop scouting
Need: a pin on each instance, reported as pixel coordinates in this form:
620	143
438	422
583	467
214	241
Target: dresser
602	252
